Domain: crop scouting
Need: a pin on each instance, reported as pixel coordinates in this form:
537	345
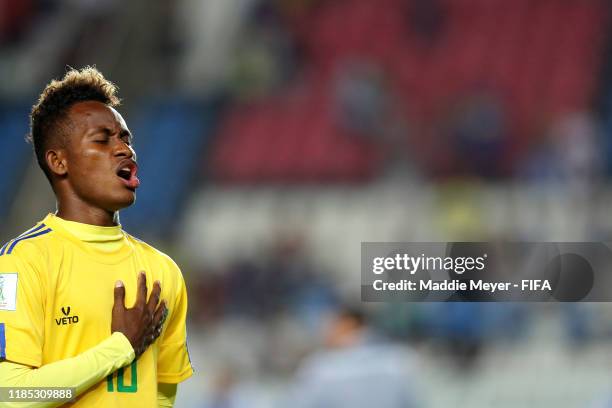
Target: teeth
125	173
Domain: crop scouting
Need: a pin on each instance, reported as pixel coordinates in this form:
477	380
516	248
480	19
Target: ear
56	161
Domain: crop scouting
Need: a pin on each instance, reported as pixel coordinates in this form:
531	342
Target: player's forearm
80	372
166	394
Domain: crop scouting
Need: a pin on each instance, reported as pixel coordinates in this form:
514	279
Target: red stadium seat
524	51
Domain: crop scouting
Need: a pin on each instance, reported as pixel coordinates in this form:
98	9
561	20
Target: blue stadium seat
14	152
169	137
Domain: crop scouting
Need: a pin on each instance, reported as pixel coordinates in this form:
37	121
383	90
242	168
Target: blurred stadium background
275	136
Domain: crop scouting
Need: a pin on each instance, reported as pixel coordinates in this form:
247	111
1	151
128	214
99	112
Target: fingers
119	295
160	314
141	291
165	315
155	328
154	298
143	323
158	320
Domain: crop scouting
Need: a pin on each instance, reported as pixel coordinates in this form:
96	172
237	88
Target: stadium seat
15	153
169	134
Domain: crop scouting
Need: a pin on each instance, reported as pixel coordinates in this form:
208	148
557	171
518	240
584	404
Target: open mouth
127	172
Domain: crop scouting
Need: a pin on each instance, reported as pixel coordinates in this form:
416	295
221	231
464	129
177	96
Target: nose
123	149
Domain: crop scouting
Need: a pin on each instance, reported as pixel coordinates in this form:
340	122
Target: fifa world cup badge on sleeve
8	291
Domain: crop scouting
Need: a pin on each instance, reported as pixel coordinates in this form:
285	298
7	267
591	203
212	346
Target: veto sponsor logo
67	319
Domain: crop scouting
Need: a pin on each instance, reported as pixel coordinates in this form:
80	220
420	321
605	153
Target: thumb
119	295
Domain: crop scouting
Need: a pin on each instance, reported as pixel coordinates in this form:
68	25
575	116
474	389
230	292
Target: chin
129	201
119	203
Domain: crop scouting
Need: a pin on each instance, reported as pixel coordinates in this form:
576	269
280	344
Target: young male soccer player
66	281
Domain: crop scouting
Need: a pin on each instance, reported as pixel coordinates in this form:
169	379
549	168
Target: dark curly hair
49	122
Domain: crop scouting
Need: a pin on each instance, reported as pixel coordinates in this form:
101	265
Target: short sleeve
173	364
21	311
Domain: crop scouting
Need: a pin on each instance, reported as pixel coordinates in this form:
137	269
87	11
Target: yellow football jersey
56	297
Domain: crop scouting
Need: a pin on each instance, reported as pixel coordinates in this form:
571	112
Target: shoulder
172	271
151	252
26	255
29	246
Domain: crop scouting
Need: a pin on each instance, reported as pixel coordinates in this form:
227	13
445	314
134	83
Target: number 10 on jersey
121	387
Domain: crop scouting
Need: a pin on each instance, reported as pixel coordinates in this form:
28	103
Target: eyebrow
125	132
108	131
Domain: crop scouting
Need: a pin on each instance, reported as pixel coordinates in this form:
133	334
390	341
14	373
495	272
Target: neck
100	218
79	211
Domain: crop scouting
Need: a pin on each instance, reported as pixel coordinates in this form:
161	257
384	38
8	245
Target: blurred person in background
477	130
228	391
358	369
